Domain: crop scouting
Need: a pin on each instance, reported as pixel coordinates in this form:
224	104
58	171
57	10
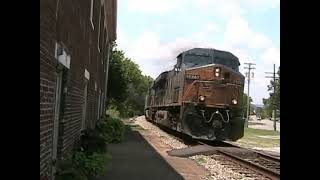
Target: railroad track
259	165
251	163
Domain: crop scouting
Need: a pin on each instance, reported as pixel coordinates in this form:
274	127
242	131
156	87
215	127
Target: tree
127	86
267	108
273	102
117	82
244	103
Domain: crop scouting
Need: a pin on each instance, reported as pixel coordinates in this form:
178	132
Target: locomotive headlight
217	72
234	101
201	98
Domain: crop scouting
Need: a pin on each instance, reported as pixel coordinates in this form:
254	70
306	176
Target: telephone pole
248	97
274	93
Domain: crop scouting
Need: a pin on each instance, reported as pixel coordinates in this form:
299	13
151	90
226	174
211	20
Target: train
200	97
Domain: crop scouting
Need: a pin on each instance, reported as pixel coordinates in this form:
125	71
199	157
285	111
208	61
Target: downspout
106	80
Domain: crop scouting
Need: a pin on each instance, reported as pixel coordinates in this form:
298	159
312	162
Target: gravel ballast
217	170
165	137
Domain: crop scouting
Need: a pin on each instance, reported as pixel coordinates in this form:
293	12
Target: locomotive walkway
136	159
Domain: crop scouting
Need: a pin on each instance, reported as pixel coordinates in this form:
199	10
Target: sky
153	32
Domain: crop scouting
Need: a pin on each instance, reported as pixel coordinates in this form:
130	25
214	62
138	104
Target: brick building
75	46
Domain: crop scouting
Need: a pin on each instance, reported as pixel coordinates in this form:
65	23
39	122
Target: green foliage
90	158
127	86
91	165
67	170
243	103
113	112
273	102
259	112
92	141
112	129
267	111
117	82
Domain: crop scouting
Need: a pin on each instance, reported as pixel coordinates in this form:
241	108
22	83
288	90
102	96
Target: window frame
91	14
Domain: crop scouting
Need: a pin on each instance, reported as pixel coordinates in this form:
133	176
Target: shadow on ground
135	159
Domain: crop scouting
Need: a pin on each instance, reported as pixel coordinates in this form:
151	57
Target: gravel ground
165	137
215	167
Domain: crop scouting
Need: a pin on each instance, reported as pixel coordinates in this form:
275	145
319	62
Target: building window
91	14
62	55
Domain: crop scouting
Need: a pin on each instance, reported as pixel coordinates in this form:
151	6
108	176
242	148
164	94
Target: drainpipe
106	80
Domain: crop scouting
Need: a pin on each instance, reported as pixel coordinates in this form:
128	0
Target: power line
248	97
274	93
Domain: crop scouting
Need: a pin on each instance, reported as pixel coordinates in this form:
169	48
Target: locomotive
200	96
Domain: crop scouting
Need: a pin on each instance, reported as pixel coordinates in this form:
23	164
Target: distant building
75	46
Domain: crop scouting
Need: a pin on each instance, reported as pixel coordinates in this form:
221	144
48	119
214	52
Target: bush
113	112
92	141
91	165
112	129
67	170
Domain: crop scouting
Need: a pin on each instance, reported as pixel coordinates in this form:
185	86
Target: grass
260	132
252	138
133	127
201	160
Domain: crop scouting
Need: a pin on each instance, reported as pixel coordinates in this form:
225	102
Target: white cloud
151	6
122	39
222	8
202	36
229	8
259	41
261	5
154	56
225	8
239	34
271	56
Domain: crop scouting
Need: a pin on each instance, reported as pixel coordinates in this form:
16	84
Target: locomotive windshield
193	60
231	63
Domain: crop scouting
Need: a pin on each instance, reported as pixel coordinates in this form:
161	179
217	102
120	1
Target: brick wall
47	81
67	22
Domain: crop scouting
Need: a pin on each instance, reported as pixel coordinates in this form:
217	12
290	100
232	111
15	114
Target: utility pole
274	93
248	98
